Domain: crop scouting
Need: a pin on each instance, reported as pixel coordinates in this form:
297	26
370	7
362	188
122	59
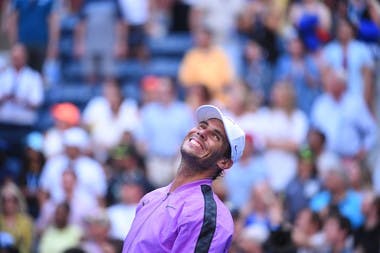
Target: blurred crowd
301	77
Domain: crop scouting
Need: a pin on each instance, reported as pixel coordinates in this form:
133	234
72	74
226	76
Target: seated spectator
244	175
316	142
65	116
99	38
346	53
301	70
136	17
89	172
32	164
126	164
130	193
14	219
344	119
206	64
307	234
159	139
107	117
303	186
252	240
96	236
197	95
21	90
61	235
337	230
285	130
258	72
338	197
367	237
81	203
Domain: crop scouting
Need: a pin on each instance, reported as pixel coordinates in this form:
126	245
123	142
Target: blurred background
96	97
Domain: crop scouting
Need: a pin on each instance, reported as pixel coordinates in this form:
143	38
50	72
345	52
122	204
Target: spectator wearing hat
65	116
60	235
107	117
14	219
21	90
89	172
126	165
33	161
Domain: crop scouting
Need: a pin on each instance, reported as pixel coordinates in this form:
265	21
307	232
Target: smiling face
206	144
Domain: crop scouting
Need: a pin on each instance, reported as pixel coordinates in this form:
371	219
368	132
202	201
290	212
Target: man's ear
224	163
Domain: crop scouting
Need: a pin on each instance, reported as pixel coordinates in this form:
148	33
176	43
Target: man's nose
202	133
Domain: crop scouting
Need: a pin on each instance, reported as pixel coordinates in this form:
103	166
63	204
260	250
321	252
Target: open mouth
196	142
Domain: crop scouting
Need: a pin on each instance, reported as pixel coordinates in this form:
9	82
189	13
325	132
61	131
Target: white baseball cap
235	135
76	137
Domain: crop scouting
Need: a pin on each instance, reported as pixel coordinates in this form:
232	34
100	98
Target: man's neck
187	175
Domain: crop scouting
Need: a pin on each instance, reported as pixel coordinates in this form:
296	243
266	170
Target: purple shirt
189	219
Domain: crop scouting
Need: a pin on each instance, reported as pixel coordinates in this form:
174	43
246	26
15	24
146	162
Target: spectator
303	186
81	203
36	25
302	71
285	131
89	172
96	236
197	95
337	231
355	58
107	117
136	17
65	116
206	64
307	234
21	90
130	193
100	36
367	237
32	164
244	175
344	119
258	72
160	138
337	197
316	142
313	20
61	235
13	217
126	165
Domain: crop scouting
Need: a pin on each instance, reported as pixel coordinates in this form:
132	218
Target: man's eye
216	137
203	126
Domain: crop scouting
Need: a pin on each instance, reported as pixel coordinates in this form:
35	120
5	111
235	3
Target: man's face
206	143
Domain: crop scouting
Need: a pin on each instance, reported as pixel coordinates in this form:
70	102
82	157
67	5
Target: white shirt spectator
26	89
347	123
282	164
135	12
124	213
90	176
358	56
106	128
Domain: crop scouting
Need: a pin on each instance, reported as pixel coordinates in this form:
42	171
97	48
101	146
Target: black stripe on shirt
209	221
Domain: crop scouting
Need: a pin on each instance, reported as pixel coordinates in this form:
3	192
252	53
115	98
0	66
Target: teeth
195	143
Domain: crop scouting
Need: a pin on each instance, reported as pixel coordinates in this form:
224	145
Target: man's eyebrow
203	122
219	133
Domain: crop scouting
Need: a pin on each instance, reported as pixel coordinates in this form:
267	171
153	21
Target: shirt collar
190	185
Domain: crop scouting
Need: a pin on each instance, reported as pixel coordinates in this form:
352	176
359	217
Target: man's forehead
217	124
